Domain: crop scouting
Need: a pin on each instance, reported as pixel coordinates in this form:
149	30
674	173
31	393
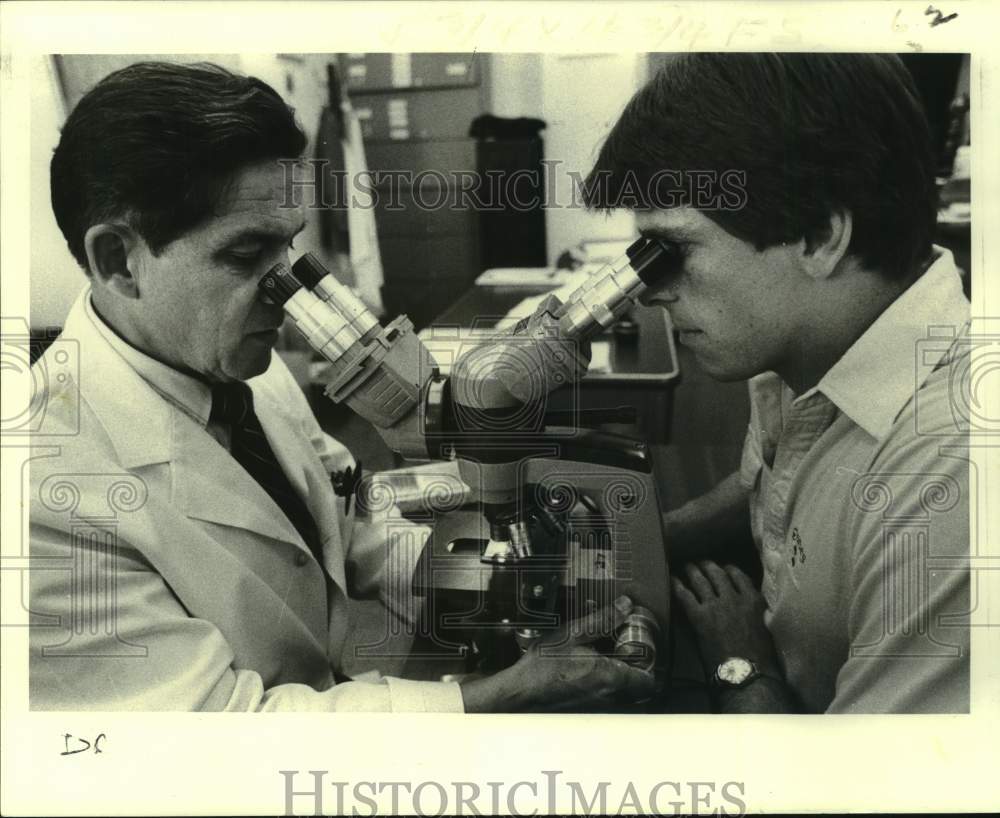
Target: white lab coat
165	578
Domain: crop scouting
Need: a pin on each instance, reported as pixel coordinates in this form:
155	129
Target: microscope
559	519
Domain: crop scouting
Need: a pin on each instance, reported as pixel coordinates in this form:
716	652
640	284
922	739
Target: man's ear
108	249
823	250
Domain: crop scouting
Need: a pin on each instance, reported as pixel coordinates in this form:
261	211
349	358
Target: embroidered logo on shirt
798	552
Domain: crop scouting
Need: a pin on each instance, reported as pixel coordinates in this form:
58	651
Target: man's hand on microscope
563	672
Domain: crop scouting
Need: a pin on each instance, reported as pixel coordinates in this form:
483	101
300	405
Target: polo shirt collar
878	375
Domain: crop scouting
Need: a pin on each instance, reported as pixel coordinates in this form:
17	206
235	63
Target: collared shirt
190	395
859	506
369	545
194	396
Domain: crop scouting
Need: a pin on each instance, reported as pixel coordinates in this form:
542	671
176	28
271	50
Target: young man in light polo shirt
797	192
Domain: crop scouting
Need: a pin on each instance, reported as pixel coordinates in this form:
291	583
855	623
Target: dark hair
157	143
812	133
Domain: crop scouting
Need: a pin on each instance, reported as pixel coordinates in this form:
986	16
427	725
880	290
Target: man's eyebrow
260	234
678	233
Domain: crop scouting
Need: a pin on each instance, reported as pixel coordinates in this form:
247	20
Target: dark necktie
232	404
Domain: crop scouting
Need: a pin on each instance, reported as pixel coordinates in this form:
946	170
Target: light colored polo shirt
859	502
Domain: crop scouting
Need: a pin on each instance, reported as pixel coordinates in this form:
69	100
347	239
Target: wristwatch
734	673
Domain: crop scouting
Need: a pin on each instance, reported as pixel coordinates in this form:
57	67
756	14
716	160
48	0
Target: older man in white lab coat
188	550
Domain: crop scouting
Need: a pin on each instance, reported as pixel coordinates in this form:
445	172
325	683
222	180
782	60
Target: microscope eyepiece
651	258
636	247
279	284
379	372
607	294
309	271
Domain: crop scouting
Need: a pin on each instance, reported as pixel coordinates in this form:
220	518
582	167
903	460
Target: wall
516	85
55	276
583	96
580	96
57	85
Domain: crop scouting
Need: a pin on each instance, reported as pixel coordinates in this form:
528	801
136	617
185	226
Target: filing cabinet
417	115
415	112
388	72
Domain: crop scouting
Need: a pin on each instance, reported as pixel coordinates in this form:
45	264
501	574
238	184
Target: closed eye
672	261
249	256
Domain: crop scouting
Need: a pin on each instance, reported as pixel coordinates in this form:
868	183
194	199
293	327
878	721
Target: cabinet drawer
444	114
392	71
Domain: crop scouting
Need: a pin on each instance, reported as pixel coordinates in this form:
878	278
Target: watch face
735	671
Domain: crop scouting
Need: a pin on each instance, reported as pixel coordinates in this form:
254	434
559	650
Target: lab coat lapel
237	579
308	477
178	459
209	484
206	482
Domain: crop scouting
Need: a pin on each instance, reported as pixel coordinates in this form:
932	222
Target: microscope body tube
547	351
326	329
605	296
353	308
315	277
380	376
601	300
